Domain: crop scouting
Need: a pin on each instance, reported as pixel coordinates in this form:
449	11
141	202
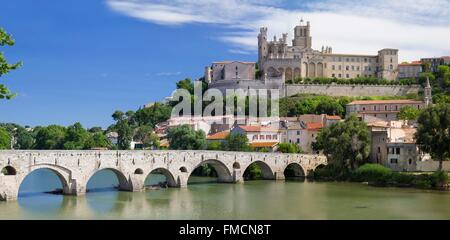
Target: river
204	199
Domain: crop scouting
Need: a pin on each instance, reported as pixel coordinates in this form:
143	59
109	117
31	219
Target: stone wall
350	90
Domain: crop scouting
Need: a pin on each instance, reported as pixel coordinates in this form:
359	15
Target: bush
403	178
439	179
332	172
372	173
423	181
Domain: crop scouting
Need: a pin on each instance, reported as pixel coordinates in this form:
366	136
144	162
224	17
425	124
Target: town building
260	137
410	70
303	130
278	58
393	145
435	62
380	110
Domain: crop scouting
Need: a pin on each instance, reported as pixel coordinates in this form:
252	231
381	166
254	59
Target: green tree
408	113
76	137
214	145
184	137
50	137
236	142
5	139
97	140
5	67
423	78
346	144
118	115
289	148
153	115
24	139
95	129
146	135
433	134
125	133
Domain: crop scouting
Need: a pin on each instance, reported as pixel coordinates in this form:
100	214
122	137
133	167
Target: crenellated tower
263	49
302	36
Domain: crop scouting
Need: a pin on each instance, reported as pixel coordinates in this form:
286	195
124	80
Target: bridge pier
238	176
279	175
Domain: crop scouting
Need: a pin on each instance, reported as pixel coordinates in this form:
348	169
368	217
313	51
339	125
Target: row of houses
414	68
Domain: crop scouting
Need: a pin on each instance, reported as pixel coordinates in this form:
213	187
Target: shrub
439	179
332	172
372	173
423	181
403	178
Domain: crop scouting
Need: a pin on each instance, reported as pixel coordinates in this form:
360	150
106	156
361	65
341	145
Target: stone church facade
277	58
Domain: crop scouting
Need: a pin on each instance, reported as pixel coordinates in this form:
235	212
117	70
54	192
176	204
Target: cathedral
277	58
280	62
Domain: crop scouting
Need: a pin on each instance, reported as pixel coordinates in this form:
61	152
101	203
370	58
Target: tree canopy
236	142
184	137
433	132
346	144
5	139
5	67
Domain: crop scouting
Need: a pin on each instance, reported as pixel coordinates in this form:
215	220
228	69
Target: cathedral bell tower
302	36
427	93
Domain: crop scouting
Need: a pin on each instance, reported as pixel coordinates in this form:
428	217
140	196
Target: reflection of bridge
74	168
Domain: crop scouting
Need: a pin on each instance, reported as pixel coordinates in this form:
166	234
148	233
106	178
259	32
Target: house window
298	132
353	68
397	151
394	160
410	161
298	140
333	67
268	137
261	137
379	149
340	75
340	67
275	137
255	137
348	76
333	75
347	68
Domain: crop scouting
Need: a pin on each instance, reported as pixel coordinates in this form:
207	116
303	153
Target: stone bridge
75	168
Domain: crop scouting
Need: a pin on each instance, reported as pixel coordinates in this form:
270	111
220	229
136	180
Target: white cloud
168	73
417	28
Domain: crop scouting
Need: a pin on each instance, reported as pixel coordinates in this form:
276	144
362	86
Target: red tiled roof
314	126
263	144
333	117
218	136
404	101
257	129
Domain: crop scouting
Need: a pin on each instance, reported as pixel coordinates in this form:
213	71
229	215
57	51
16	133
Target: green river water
249	200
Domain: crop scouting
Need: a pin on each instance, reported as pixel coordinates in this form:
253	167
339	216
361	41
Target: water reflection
248	200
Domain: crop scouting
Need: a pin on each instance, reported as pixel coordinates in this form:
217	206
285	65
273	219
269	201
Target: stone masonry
75	168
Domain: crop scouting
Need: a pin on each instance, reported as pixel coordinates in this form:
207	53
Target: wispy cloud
168	73
417	28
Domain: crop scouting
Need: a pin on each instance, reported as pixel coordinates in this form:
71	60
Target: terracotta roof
334	117
314	126
403	101
218	136
257	129
263	144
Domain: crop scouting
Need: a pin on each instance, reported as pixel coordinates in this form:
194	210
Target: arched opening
106	180
41	191
297	73
210	171
159	178
236	165
294	171
138	171
288	75
319	70
8	171
257	171
183	169
311	70
319	167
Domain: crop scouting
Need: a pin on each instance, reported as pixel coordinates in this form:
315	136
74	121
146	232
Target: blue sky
83	59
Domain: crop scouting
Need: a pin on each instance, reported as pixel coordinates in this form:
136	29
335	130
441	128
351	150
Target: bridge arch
223	173
124	183
266	170
8	171
294	170
169	176
62	174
